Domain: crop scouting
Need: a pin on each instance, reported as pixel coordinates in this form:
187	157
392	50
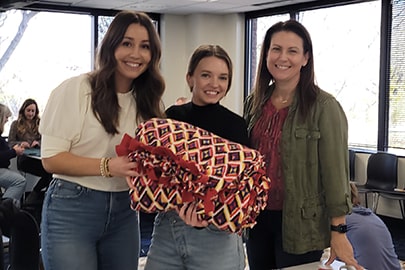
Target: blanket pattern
178	162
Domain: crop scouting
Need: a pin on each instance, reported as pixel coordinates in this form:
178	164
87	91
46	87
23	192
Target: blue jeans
14	184
176	246
86	229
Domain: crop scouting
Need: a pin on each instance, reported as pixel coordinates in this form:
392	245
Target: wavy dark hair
148	87
307	89
204	51
22	122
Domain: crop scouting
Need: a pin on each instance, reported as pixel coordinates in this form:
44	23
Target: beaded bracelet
104	169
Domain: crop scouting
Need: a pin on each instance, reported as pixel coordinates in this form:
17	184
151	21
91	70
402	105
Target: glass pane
259	29
347	61
38	50
103	24
396	138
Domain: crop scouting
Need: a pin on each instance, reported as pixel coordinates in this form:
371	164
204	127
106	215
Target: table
314	266
33	153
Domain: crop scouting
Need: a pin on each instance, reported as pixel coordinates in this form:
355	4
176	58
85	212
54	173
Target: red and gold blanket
180	163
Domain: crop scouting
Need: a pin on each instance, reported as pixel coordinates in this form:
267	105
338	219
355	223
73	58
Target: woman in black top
212	117
180	240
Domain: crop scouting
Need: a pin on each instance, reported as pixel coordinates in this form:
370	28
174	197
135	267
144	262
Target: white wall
385	207
180	35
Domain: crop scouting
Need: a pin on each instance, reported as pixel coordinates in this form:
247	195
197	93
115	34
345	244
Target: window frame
385	52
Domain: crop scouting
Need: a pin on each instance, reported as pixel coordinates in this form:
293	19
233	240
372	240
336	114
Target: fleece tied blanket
179	163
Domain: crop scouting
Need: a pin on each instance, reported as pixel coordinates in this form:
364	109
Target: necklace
282	100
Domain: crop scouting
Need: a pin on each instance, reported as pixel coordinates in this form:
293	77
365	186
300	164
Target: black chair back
352	157
382	171
24	248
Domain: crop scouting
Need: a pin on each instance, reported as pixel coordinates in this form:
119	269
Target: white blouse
69	125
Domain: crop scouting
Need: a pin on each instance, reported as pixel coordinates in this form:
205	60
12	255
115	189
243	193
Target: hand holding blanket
179	162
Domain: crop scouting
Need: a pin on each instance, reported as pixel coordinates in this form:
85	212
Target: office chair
352	158
352	174
24	247
382	175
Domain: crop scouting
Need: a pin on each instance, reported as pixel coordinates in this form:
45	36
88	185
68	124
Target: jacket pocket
314	224
306	147
312	209
302	133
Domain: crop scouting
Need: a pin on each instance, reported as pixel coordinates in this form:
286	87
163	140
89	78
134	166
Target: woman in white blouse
87	223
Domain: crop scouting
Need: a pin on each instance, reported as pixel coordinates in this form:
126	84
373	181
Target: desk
32	174
314	266
33	153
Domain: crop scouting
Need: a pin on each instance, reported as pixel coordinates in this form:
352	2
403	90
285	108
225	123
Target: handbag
178	162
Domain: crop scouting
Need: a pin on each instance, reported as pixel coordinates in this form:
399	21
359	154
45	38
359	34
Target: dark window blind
397	77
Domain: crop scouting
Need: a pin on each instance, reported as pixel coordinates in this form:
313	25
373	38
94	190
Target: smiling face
30	111
133	56
286	57
209	82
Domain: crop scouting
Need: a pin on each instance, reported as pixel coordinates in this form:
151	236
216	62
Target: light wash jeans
177	246
13	183
85	229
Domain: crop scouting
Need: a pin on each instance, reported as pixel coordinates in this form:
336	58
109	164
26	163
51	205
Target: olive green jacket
315	165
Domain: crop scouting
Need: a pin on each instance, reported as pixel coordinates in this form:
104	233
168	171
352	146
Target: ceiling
180	7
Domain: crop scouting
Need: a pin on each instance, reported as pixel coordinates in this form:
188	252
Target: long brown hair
204	51
148	88
307	89
22	122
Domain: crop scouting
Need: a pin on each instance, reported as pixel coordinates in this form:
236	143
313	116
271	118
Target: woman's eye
145	46
223	78
126	44
205	75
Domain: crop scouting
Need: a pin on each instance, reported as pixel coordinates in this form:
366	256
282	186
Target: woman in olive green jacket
302	132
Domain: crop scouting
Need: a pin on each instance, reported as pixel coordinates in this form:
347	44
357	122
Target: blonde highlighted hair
5	113
354	194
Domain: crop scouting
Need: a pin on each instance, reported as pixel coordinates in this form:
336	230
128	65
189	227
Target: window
396	75
260	25
347	60
347	63
39	50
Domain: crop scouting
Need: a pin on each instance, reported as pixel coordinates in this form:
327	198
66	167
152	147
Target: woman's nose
214	81
135	51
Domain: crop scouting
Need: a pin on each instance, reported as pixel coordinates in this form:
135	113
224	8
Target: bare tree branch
26	17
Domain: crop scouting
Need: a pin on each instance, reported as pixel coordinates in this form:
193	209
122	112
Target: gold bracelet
102	171
106	168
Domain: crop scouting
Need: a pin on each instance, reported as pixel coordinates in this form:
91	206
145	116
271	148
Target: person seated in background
370	237
24	131
12	182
